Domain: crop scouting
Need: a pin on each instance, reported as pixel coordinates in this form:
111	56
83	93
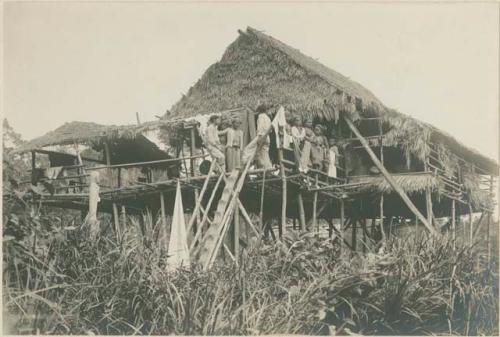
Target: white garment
263	125
279	122
178	251
53	172
332	156
298	134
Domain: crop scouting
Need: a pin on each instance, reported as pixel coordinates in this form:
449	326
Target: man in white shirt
263	125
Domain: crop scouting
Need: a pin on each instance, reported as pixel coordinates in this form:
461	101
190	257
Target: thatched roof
258	69
81	133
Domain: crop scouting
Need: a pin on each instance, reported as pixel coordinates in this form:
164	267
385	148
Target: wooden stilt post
453	222
107	155
302	214
488	223
193	172
116	219
163	220
262	192
382	229
354	230
470	223
236	232
342	229
315	207
389	178
364	224
282	226
124	217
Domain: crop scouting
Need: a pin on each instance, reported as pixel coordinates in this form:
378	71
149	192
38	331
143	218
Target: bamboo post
281	229
302	215
453	221
261	211
33	166
164	220
193	172
342	216
470	223
124	216
488	223
107	155
236	232
389	178
315	206
364	225
382	229
354	234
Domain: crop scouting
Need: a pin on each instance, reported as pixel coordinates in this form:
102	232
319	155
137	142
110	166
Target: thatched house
258	69
392	165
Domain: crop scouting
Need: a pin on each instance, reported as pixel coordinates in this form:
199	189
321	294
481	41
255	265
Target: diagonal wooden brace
389	178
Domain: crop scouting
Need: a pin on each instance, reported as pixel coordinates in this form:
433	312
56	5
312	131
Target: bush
60	282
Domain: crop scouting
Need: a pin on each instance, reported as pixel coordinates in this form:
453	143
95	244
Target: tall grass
60	282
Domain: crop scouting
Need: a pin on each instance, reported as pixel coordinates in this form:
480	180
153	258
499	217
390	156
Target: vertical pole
470	223
354	234
116	219
124	216
341	229
453	220
315	207
302	215
33	166
137	117
163	220
382	229
488	246
193	173
236	232
282	229
261	211
364	226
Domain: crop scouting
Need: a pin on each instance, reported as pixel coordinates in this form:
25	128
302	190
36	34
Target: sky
105	61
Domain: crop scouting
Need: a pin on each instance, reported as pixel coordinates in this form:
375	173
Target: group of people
311	147
306	142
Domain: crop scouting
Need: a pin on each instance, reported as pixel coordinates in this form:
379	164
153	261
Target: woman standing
212	141
305	158
234	146
318	148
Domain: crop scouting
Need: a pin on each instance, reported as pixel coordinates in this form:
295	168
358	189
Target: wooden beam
389	178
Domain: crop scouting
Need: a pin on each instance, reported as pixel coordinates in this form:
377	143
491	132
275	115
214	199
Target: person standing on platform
333	153
319	145
234	146
263	125
305	158
213	143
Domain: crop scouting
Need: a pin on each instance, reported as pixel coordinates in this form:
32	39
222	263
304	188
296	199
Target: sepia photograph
250	168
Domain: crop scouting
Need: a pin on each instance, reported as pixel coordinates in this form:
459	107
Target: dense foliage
58	281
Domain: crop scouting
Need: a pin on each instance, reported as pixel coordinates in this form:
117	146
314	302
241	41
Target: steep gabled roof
259	69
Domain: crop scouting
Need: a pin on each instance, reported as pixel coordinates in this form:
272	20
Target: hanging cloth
279	125
178	251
